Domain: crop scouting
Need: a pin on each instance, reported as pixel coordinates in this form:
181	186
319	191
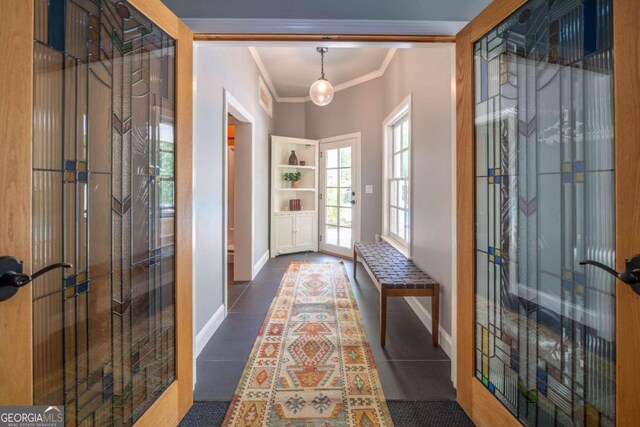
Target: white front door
339	194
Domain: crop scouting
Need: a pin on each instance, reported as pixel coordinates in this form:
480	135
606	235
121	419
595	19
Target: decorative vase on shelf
293	159
294	184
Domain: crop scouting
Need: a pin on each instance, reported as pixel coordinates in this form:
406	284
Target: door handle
12	276
631	275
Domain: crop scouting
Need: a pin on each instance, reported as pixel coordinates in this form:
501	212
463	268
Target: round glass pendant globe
321	92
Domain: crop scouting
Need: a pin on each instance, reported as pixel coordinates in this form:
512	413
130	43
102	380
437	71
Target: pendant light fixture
321	91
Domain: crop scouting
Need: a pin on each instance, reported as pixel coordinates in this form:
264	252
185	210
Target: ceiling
292	70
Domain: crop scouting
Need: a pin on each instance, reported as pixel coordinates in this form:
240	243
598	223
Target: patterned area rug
311	363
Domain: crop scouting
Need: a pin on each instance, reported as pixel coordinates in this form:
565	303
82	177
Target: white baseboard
261	262
209	329
444	340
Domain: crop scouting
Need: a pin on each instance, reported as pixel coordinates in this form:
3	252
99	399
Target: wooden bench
396	276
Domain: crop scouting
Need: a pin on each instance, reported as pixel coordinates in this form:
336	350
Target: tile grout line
238	299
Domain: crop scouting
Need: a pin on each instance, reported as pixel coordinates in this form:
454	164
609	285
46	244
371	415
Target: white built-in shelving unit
294	231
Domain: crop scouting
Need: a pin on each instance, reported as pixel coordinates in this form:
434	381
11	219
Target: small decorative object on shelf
293	159
303	163
295	205
293	178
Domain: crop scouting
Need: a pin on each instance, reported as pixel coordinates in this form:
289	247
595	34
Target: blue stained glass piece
491	250
578	167
567	177
492	387
492	172
69	281
567	285
498	260
542	380
580	279
70	165
498	180
542	388
56	23
83	176
82	287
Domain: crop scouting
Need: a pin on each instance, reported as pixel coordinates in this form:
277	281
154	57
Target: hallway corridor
409	368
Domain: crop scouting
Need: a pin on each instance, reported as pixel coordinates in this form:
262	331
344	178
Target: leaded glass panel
103	147
545	325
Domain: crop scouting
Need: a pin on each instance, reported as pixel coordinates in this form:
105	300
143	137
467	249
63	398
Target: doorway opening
231	130
238	194
290	184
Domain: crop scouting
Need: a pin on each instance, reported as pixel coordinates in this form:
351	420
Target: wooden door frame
16	112
16	118
476	400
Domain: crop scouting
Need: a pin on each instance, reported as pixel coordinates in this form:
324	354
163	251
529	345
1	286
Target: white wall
217	69
428	74
289	117
357	109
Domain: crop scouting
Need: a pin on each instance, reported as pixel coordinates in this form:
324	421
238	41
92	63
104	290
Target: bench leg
355	261
383	315
435	313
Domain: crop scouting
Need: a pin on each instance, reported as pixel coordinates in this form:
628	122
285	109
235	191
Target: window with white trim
397	175
398	182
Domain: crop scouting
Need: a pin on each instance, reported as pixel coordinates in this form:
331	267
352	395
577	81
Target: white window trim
401	111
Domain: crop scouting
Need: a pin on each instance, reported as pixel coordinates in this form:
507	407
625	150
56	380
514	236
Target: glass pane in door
338	196
545	325
103	158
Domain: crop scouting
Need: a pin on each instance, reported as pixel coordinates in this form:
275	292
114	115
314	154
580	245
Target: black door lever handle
12	276
631	275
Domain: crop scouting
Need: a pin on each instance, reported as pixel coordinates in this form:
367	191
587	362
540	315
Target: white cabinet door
284	233
305	232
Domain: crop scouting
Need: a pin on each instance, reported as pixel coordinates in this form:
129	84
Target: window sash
398	221
395	209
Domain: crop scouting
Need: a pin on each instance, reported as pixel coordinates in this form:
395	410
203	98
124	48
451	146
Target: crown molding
294	100
353	82
324	26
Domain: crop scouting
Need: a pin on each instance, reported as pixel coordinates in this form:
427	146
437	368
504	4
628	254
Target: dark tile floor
410	368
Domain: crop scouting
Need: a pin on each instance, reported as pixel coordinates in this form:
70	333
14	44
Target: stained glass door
98	177
338	195
548	177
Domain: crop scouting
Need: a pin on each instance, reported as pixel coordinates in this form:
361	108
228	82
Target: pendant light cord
322	64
